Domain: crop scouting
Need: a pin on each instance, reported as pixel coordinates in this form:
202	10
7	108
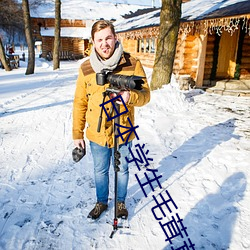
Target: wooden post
201	60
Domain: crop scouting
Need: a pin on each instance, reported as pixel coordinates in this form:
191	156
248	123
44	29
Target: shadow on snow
212	219
211	222
23	110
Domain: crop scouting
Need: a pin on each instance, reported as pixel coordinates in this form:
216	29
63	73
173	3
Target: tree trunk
56	59
3	57
28	33
168	34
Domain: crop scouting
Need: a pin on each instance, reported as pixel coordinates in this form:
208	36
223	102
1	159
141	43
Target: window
146	45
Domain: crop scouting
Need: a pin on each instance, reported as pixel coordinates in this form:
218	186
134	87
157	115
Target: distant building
77	19
75	36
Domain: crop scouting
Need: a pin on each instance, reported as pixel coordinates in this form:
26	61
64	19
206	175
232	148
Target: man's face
104	42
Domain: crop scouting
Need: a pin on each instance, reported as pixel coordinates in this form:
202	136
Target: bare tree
11	24
28	33
11	17
168	34
56	59
3	57
36	3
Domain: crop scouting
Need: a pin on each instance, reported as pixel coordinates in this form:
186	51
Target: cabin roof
193	10
208	9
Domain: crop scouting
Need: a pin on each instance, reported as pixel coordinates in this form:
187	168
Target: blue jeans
102	159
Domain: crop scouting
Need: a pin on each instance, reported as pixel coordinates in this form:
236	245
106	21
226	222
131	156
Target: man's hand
79	143
125	96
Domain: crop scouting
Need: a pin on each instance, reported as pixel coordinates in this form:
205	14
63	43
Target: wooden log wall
79	46
47	45
131	46
50	22
186	55
178	61
146	59
190	56
73	45
66	44
185	59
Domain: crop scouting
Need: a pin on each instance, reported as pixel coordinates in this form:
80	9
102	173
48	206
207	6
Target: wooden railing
64	55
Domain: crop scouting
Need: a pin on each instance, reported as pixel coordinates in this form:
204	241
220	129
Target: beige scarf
110	64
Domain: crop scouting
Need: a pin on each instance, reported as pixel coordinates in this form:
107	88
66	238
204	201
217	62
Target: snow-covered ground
199	143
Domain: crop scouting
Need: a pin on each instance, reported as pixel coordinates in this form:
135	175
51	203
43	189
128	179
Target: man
107	54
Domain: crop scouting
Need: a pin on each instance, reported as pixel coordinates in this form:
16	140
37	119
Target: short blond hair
100	25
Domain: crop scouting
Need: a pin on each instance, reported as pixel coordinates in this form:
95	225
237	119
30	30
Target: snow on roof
192	10
197	9
85	10
145	20
79	32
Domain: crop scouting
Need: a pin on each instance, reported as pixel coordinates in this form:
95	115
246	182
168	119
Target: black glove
78	153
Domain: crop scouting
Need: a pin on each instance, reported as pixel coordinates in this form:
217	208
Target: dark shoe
97	210
122	211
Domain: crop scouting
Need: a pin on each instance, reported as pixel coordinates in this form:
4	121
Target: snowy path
199	144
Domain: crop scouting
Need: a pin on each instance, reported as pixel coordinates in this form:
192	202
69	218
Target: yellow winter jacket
89	96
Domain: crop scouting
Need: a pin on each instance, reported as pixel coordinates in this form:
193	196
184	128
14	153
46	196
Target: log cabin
74	37
213	41
77	19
